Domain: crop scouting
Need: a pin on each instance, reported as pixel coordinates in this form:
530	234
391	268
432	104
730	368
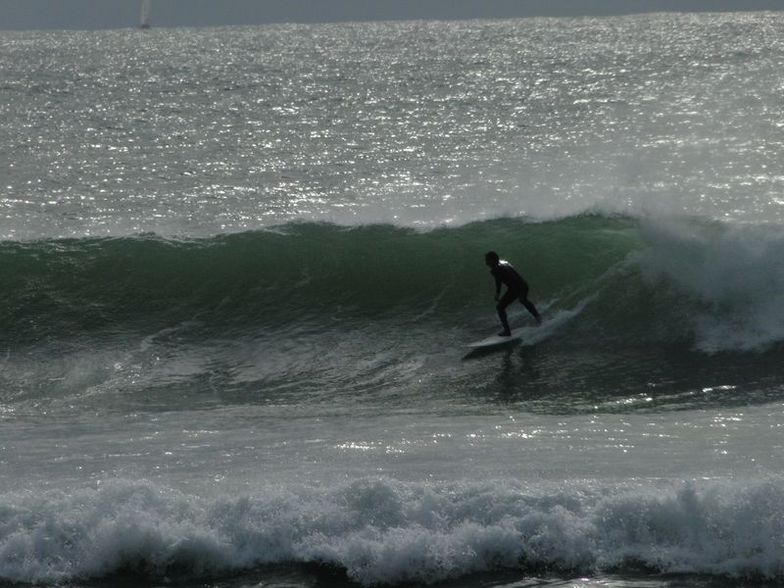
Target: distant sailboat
146	13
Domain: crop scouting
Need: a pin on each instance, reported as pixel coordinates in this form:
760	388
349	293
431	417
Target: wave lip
387	532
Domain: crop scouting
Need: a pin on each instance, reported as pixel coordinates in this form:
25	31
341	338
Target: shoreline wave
382	531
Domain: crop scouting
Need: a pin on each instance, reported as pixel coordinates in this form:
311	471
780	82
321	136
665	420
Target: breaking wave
381	531
721	287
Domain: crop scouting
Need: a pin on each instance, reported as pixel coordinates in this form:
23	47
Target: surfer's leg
532	309
529	306
505	301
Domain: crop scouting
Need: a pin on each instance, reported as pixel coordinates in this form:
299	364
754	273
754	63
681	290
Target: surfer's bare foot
538	321
505	334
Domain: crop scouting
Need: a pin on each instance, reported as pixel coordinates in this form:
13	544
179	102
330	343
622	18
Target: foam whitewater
380	531
716	286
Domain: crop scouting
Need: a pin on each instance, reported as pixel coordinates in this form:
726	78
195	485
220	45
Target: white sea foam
383	531
735	271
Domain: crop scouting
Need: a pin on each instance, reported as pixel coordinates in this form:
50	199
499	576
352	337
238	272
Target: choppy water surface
197	132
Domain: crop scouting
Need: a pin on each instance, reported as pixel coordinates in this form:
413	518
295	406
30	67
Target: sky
102	14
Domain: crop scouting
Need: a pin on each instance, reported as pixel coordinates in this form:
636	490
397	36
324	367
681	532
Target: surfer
517	289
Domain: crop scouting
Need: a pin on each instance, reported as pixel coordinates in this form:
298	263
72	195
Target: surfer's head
491	259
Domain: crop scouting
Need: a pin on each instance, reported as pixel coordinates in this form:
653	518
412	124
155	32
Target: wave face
729	278
386	532
365	304
294	274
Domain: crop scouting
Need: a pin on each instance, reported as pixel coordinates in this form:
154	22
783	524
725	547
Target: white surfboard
498	340
530	335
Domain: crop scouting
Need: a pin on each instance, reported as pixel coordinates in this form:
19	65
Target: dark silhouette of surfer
517	289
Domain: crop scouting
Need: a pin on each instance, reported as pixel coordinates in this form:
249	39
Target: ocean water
240	268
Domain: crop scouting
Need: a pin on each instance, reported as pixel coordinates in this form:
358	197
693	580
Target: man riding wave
517	289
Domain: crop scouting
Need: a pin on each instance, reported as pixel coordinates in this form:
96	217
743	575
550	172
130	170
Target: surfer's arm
497	286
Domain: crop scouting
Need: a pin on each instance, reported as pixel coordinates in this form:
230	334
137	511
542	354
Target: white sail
146	13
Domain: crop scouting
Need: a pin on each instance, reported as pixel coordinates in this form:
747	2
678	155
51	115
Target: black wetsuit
517	289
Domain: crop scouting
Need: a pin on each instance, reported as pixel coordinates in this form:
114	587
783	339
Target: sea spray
730	276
